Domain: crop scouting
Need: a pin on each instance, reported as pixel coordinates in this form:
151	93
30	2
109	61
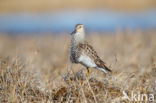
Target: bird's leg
88	72
87	76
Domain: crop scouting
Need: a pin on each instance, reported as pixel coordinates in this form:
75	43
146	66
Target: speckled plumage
83	53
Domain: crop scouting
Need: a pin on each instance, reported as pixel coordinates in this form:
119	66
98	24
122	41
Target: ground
36	68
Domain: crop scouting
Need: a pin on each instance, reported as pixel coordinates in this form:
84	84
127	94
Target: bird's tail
105	69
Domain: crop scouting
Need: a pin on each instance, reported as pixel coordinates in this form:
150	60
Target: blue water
64	21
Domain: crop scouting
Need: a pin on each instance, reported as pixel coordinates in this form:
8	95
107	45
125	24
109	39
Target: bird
81	52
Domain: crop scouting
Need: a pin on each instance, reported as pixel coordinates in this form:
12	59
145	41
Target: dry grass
51	5
35	69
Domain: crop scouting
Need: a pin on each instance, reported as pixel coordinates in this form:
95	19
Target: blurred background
57	16
34	41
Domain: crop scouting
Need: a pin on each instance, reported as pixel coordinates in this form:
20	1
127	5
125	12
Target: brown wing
88	49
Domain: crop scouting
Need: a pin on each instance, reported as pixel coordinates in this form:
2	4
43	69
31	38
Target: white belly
87	61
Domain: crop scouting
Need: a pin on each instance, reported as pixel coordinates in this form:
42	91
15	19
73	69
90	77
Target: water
64	21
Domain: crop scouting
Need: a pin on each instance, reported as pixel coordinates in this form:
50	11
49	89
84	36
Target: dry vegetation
50	5
35	69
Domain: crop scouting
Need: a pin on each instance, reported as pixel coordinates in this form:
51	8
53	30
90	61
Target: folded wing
91	53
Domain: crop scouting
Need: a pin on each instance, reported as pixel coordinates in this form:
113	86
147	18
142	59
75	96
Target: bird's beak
73	32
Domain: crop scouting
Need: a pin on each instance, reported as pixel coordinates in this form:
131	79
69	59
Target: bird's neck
78	38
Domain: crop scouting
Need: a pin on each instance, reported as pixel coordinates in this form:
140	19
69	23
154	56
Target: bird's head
79	28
